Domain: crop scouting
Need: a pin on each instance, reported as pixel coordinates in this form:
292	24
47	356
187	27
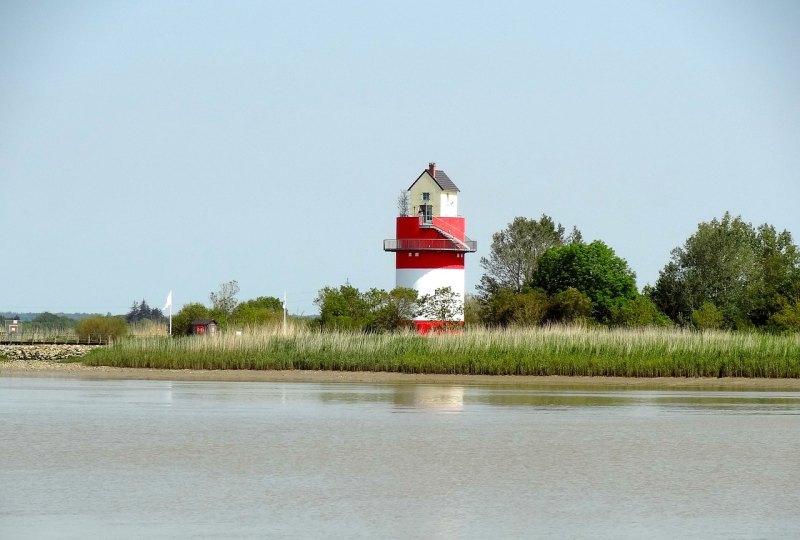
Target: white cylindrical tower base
427	280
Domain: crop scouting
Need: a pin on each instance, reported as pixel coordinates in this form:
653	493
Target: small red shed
204	327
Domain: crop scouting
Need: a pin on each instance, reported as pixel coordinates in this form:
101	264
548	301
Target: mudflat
51	369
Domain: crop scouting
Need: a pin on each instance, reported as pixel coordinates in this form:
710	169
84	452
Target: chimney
432	169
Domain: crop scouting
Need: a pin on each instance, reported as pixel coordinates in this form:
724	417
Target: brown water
155	459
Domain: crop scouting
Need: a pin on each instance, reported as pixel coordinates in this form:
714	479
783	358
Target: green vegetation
592	269
50	320
140	311
443	305
101	328
748	274
515	252
346	308
728	275
558	350
228	312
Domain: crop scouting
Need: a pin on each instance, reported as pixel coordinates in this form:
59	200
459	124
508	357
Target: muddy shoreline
49	369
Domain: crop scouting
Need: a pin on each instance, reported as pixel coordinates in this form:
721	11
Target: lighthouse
430	243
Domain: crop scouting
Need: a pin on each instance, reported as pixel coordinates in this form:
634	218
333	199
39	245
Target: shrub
640	311
571	306
182	322
787	319
101	328
708	317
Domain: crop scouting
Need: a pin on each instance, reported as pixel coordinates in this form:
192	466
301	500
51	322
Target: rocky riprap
44	352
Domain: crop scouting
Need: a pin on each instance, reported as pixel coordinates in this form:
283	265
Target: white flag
169	301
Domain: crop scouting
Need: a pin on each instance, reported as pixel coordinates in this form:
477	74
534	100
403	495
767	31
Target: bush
638	312
708	317
182	322
787	319
571	306
101	328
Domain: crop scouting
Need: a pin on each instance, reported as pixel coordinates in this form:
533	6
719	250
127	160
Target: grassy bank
550	351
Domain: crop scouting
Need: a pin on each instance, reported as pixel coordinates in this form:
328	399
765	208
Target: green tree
531	308
443	305
224	300
342	308
708	317
473	310
261	311
515	252
592	269
375	310
747	274
133	313
570	306
777	283
499	308
638	312
392	310
101	328
786	319
182	321
50	320
507	307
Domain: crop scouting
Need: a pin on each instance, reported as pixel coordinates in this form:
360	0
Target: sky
164	145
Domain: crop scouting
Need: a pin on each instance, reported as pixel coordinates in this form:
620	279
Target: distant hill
28	317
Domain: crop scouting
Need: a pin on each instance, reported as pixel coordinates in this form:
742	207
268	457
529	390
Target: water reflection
429	397
456	398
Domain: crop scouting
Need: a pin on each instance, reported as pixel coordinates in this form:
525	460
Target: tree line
727	275
227	311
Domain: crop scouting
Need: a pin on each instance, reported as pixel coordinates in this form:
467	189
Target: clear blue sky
149	146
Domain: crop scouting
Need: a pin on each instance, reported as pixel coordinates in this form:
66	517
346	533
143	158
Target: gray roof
441	179
444	181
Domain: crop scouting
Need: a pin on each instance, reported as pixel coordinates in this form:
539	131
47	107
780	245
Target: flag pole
284	312
169	305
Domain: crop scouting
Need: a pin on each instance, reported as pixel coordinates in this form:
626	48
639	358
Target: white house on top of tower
433	194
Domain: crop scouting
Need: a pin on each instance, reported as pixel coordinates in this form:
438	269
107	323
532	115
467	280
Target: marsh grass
558	350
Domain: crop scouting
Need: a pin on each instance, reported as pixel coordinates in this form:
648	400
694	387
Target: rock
44	352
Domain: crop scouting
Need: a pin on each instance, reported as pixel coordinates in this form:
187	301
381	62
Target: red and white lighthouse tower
431	244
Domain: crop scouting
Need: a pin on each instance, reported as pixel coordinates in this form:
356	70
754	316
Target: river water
160	459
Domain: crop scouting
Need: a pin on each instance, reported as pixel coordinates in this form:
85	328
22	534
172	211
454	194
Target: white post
170	318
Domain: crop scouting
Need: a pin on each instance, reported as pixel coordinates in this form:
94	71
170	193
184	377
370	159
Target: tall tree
593	269
747	274
224	300
778	279
133	313
516	250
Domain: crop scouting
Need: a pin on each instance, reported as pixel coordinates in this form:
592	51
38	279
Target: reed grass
558	350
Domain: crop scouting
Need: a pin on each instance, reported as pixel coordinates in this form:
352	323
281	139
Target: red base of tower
425	328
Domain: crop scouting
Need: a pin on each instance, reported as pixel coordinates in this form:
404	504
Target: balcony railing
432	244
